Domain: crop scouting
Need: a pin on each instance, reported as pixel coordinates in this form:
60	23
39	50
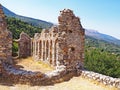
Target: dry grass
30	64
76	83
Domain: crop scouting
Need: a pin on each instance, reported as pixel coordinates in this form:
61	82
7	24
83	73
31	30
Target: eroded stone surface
107	80
62	44
5	40
24	44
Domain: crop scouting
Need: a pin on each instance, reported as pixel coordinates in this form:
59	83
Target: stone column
49	51
42	50
40	46
35	47
31	47
56	52
53	53
45	51
38	49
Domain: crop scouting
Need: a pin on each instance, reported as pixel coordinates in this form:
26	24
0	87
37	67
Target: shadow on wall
12	75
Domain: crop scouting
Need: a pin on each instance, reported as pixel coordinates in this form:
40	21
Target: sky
99	15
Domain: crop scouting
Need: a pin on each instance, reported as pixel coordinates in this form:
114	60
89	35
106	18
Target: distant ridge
100	36
35	22
45	24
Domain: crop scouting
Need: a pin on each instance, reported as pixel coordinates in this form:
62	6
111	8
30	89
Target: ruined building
62	44
24	45
5	40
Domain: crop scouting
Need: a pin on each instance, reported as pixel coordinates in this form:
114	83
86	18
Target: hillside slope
32	21
45	24
102	44
100	36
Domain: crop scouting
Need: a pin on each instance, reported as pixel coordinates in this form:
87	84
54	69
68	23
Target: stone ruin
5	40
24	44
61	46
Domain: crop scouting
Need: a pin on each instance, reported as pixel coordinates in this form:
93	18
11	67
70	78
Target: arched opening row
45	51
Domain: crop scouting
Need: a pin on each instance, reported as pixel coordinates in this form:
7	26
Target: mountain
45	24
32	21
100	36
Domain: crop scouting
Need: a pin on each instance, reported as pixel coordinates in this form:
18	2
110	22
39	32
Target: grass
30	64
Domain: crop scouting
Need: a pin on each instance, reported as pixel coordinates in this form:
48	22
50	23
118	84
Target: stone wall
62	44
106	80
71	40
18	76
24	44
5	40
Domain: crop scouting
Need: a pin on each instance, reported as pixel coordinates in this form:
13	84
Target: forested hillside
16	26
100	56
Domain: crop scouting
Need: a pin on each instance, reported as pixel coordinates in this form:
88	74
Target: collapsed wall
24	44
62	44
106	80
46	47
5	40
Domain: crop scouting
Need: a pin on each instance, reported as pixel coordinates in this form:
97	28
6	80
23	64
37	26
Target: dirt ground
76	83
30	64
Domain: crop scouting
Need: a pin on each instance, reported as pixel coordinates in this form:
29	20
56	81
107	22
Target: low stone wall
18	76
106	80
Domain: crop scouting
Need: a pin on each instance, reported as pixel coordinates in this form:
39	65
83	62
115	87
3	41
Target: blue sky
100	15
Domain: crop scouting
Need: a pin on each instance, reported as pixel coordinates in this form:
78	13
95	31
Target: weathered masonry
62	44
24	45
5	40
